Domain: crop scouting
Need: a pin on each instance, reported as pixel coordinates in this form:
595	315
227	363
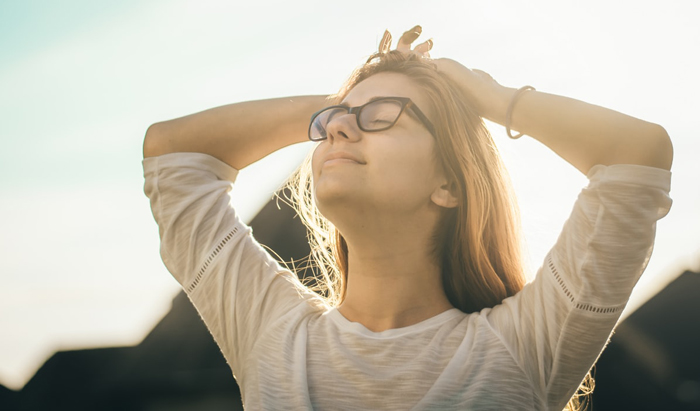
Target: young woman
415	227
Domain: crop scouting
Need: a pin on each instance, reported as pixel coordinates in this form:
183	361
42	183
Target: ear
444	196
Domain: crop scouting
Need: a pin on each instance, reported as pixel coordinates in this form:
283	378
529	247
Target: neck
393	279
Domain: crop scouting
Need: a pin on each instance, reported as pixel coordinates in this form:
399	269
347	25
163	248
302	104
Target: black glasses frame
406	102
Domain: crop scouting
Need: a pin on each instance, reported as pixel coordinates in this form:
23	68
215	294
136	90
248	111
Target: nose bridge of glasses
341	118
336	120
355	111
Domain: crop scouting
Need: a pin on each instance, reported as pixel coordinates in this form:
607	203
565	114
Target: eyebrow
344	104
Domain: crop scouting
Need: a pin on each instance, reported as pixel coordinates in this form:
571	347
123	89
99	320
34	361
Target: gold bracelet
509	112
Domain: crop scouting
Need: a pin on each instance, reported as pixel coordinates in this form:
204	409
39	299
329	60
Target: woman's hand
405	41
490	98
582	134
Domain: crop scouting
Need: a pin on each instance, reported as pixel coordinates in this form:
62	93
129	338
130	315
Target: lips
342	156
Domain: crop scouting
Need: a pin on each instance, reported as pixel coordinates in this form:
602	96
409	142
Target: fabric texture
288	350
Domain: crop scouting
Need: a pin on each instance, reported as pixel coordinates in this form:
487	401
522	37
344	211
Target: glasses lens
318	126
380	115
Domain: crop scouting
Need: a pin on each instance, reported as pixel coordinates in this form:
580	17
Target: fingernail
418	29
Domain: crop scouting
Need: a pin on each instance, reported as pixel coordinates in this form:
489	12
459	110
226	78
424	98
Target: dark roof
653	359
177	365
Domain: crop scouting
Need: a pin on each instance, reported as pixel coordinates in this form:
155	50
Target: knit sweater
289	350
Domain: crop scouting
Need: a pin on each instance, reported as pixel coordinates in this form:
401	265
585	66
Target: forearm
584	134
238	134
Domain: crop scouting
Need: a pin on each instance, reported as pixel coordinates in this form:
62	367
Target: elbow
649	146
152	142
661	148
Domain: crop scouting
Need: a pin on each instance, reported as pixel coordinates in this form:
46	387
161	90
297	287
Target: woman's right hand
405	42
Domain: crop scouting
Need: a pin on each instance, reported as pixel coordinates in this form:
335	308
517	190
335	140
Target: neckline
357	328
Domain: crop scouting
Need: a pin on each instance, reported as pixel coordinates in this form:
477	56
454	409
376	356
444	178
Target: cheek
315	158
410	177
417	164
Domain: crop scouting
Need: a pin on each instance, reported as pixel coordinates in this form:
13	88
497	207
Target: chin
329	197
335	199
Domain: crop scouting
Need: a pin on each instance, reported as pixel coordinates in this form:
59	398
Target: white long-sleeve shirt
290	351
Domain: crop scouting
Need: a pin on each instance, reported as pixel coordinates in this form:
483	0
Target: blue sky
81	81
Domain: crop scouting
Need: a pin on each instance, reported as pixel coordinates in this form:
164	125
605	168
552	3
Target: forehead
386	85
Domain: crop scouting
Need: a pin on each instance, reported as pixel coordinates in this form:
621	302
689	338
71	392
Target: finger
408	37
424	47
421	54
385	43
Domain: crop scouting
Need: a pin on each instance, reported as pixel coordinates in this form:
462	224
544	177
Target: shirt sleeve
236	286
557	326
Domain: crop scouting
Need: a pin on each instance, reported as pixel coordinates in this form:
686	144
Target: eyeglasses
377	115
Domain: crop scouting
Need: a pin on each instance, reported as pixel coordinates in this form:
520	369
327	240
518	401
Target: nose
343	127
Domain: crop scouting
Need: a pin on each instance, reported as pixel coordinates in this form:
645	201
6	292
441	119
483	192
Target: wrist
495	108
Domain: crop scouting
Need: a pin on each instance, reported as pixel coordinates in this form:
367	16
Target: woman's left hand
489	97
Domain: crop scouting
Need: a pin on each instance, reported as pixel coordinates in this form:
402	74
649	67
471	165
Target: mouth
339	161
340	157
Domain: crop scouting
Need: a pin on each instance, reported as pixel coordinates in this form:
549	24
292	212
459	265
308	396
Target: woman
424	305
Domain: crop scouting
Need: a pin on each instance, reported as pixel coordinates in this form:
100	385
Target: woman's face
386	171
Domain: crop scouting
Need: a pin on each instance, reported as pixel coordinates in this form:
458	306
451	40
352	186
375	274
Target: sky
81	81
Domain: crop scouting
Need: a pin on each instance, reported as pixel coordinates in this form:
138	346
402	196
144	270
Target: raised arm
238	134
556	327
582	134
236	286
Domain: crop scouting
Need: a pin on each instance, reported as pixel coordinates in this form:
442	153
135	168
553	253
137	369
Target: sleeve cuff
199	161
631	174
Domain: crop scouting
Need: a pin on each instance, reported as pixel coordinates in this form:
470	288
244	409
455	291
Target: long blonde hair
478	243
